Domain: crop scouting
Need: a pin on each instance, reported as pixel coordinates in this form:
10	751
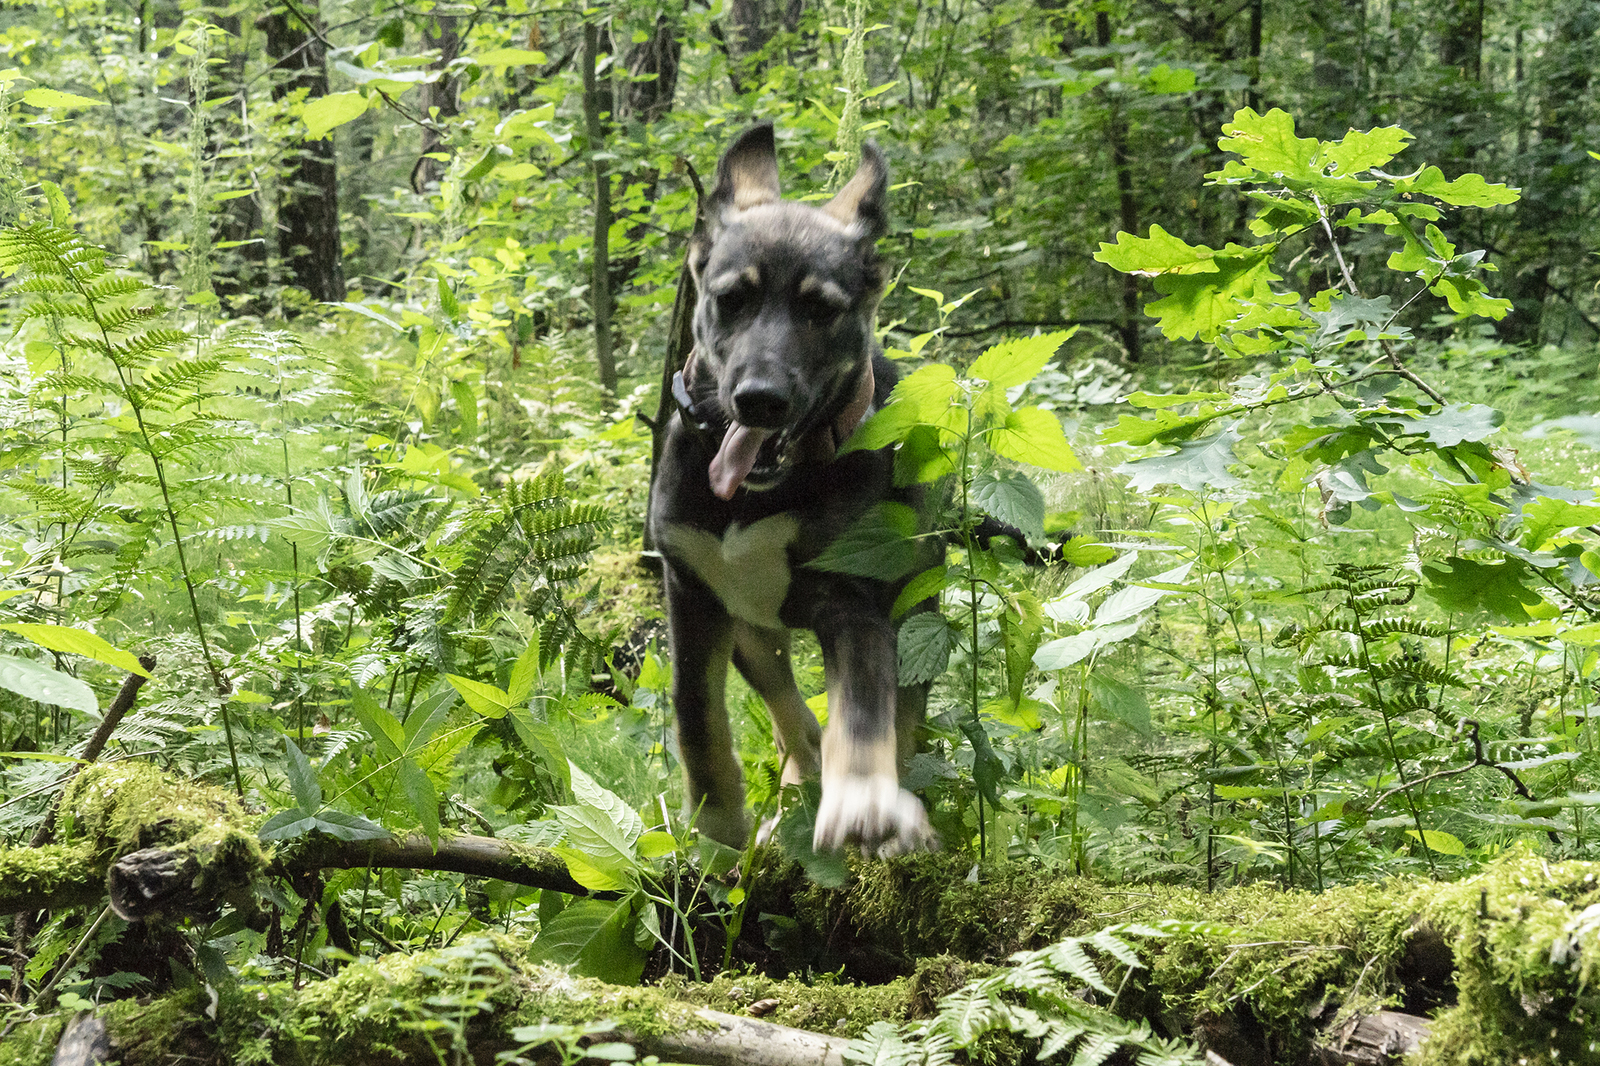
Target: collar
706	421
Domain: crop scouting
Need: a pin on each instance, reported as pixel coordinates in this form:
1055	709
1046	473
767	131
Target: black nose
760	404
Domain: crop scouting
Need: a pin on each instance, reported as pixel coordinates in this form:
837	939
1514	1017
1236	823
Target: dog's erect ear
863	202
747	175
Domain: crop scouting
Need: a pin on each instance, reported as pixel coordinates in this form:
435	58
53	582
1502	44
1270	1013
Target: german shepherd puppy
750	488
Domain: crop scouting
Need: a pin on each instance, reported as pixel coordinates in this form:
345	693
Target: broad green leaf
38	682
508	57
348	826
929	391
1546	517
1165	79
591	794
382	726
923	457
795	830
1202	305
422	796
1196	465
302	779
656	843
595	874
1120	701
885	427
488	700
1013	498
1454	424
78	642
1467	296
1067	651
878	544
1503	588
57	98
286	825
1438	840
1019	361
1469	190
335	109
1268	143
1138	598
1099	578
926	585
1362	150
1033	435
1158	253
525	673
925	642
1168	427
1025	714
595	938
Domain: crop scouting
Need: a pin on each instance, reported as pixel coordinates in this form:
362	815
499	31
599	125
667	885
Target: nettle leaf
1502	588
1033	435
929	390
422	796
879	544
1013	498
1017	362
1066	651
925	642
56	98
925	586
887	426
38	682
1469	190
922	457
1454	424
1545	518
1194	466
1121	701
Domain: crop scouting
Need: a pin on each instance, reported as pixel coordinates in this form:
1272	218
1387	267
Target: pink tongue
736	458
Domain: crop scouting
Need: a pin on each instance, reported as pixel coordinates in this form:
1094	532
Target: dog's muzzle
756	458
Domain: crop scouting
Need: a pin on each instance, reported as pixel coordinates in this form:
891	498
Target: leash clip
680	393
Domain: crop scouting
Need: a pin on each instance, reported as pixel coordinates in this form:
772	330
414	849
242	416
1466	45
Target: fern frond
391	511
1068	957
174	385
1097	1048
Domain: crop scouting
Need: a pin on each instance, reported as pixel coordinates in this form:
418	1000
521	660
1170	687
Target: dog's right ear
747	175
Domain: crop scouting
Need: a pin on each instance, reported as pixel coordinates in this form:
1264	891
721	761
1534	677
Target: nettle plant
965	432
1318	735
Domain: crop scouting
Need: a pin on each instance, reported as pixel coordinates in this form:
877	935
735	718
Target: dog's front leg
862	801
700	635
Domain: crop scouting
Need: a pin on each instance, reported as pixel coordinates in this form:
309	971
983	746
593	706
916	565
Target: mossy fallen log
1506	960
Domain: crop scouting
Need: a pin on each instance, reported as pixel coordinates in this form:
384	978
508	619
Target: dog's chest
747	566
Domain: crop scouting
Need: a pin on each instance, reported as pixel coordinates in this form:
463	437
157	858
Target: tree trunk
240	276
600	264
308	198
439	101
1127	205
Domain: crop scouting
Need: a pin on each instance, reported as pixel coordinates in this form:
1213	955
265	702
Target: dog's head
783	327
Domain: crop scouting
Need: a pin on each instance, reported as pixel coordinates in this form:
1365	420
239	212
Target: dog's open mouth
749	457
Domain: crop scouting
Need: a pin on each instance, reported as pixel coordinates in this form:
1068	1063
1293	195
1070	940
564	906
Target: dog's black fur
750	489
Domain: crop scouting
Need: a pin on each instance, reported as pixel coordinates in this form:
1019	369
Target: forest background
337	336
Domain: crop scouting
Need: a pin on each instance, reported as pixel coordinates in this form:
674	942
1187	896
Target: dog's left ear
863	202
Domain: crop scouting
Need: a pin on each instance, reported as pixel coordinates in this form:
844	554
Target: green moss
33	1042
1526	935
33	870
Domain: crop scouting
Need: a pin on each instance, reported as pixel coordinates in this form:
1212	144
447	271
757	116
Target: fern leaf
1068	957
1059	1039
966	1014
1096	1049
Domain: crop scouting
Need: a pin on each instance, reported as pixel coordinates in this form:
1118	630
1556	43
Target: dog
751	487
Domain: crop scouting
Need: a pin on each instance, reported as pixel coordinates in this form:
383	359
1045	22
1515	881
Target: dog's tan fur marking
826	289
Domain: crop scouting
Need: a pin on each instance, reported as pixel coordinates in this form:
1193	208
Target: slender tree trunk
600	266
439	101
1127	205
308	199
241	275
1252	94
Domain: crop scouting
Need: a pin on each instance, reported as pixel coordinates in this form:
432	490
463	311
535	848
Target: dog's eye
731	304
816	311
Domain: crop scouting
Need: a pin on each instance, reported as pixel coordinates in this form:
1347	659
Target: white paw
874	812
730	826
767	830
